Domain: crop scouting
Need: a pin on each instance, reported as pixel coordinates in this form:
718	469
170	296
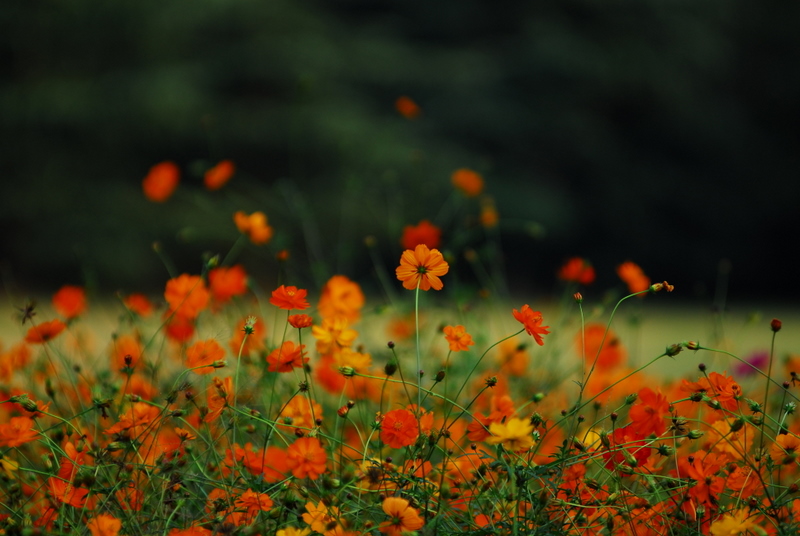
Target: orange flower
191	531
201	356
300	321
104	525
318	517
333	335
603	347
186	295
287	357
66	493
254	341
122	347
255	226
299	414
399	428
458	338
216	177
16	432
253	503
139	304
16	358
468	181
70	301
578	270
161	181
424	233
307	458
341	297
218	396
225	283
289	298
786	448
513	358
647	415
532	320
422	268
722	388
407	107
44	332
489	216
634	277
404	518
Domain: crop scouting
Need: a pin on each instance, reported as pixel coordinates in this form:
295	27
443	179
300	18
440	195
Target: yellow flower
514	434
732	524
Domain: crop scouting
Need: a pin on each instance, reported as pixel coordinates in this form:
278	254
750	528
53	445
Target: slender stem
419	353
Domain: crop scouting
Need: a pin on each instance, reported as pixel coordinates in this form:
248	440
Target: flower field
226	404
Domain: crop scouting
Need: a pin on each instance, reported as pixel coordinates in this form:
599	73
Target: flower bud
775	325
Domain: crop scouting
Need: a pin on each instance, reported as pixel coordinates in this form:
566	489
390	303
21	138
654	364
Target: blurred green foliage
659	132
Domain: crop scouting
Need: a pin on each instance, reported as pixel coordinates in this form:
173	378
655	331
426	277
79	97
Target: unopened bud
673	350
775	325
390	368
695	434
578	297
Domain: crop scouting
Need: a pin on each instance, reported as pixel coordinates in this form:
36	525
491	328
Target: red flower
44	332
626	445
300	321
424	233
161	181
647	416
399	428
226	283
216	177
70	301
289	298
287	357
532	320
578	270
407	107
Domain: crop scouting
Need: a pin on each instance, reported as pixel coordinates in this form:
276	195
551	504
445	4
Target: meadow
229	404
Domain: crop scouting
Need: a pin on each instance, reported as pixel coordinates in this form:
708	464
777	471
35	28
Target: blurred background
662	133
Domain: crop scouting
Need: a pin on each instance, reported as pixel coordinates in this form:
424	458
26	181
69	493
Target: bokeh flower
219	175
161	181
458	338
423	233
468	181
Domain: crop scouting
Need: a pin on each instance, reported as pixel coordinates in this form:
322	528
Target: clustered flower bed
210	411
